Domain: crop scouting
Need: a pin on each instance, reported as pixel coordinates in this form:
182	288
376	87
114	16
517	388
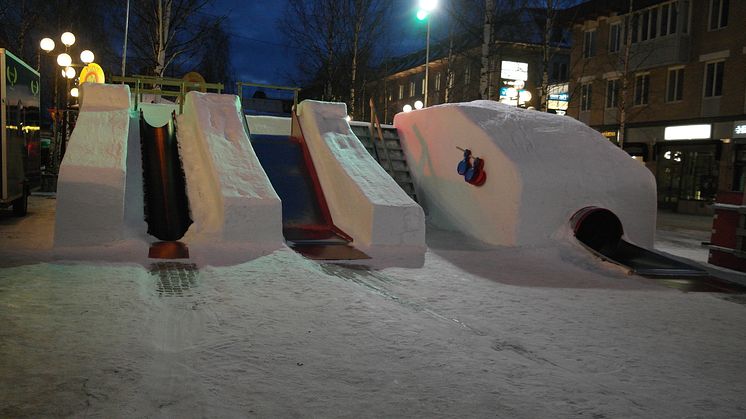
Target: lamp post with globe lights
68	72
426	7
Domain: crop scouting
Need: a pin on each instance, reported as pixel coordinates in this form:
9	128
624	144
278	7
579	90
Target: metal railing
240	85
375	128
167	87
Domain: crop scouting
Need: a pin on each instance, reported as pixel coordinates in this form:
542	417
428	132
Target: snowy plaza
475	332
467	315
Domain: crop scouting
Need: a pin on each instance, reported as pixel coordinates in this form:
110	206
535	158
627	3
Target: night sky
261	52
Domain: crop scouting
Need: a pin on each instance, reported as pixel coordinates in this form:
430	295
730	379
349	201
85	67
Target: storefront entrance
687	175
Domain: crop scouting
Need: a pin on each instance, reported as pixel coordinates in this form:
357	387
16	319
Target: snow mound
541	169
91	183
230	196
363	199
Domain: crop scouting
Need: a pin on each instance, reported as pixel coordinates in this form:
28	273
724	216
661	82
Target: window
411	88
391	95
615	37
401	91
642	89
718	14
714	79
422	87
437	81
612	93
645	25
467	74
589	44
653	22
675	86
586	92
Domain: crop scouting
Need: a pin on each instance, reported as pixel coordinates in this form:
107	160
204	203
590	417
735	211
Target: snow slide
364	201
100	193
541	170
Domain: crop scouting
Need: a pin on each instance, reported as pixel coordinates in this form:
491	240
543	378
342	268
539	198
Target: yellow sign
92	73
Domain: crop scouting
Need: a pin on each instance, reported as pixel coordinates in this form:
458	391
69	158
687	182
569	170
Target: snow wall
363	199
541	169
91	183
230	196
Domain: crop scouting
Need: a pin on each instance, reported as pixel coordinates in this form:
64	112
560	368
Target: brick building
515	73
685	100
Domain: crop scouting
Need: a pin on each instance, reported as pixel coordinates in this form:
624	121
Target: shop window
714	79
422	88
718	14
642	89
401	91
675	86
687	172
739	169
437	81
586	93
411	88
589	44
612	93
467	74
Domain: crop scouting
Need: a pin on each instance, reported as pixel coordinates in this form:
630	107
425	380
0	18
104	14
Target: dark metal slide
601	231
166	202
306	221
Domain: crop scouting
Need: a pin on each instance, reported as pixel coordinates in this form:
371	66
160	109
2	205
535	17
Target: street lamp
425	8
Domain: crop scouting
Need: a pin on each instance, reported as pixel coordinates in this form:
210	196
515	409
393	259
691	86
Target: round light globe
64	60
421	15
418	104
524	96
67	38
348	118
70	72
407	108
47	44
86	56
74	92
428	5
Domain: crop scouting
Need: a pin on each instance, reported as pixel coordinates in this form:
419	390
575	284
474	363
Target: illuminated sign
688	132
92	73
514	70
739	129
609	134
558	96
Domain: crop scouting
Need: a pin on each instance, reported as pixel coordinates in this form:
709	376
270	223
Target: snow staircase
388	154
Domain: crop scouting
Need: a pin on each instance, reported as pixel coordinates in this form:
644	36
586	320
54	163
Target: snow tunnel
597	228
541	169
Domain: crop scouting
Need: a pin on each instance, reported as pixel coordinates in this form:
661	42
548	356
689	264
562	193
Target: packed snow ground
541	332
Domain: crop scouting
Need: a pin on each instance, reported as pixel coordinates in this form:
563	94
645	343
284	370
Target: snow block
541	169
230	196
363	199
91	183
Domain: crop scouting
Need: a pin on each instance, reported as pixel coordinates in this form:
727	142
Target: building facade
515	72
680	98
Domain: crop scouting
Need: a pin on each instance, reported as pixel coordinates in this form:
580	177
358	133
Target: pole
427	60
126	30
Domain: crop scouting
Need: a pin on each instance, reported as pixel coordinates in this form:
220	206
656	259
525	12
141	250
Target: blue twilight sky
261	52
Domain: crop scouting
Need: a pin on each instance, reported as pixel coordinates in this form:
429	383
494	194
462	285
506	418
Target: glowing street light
64	60
69	73
86	56
46	44
418	105
425	8
68	39
407	108
74	92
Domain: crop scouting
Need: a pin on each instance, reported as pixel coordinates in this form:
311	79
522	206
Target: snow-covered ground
539	332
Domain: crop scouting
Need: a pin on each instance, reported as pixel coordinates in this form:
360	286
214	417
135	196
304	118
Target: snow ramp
363	200
232	201
92	179
541	169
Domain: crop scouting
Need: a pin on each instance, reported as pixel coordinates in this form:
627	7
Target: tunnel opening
597	228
